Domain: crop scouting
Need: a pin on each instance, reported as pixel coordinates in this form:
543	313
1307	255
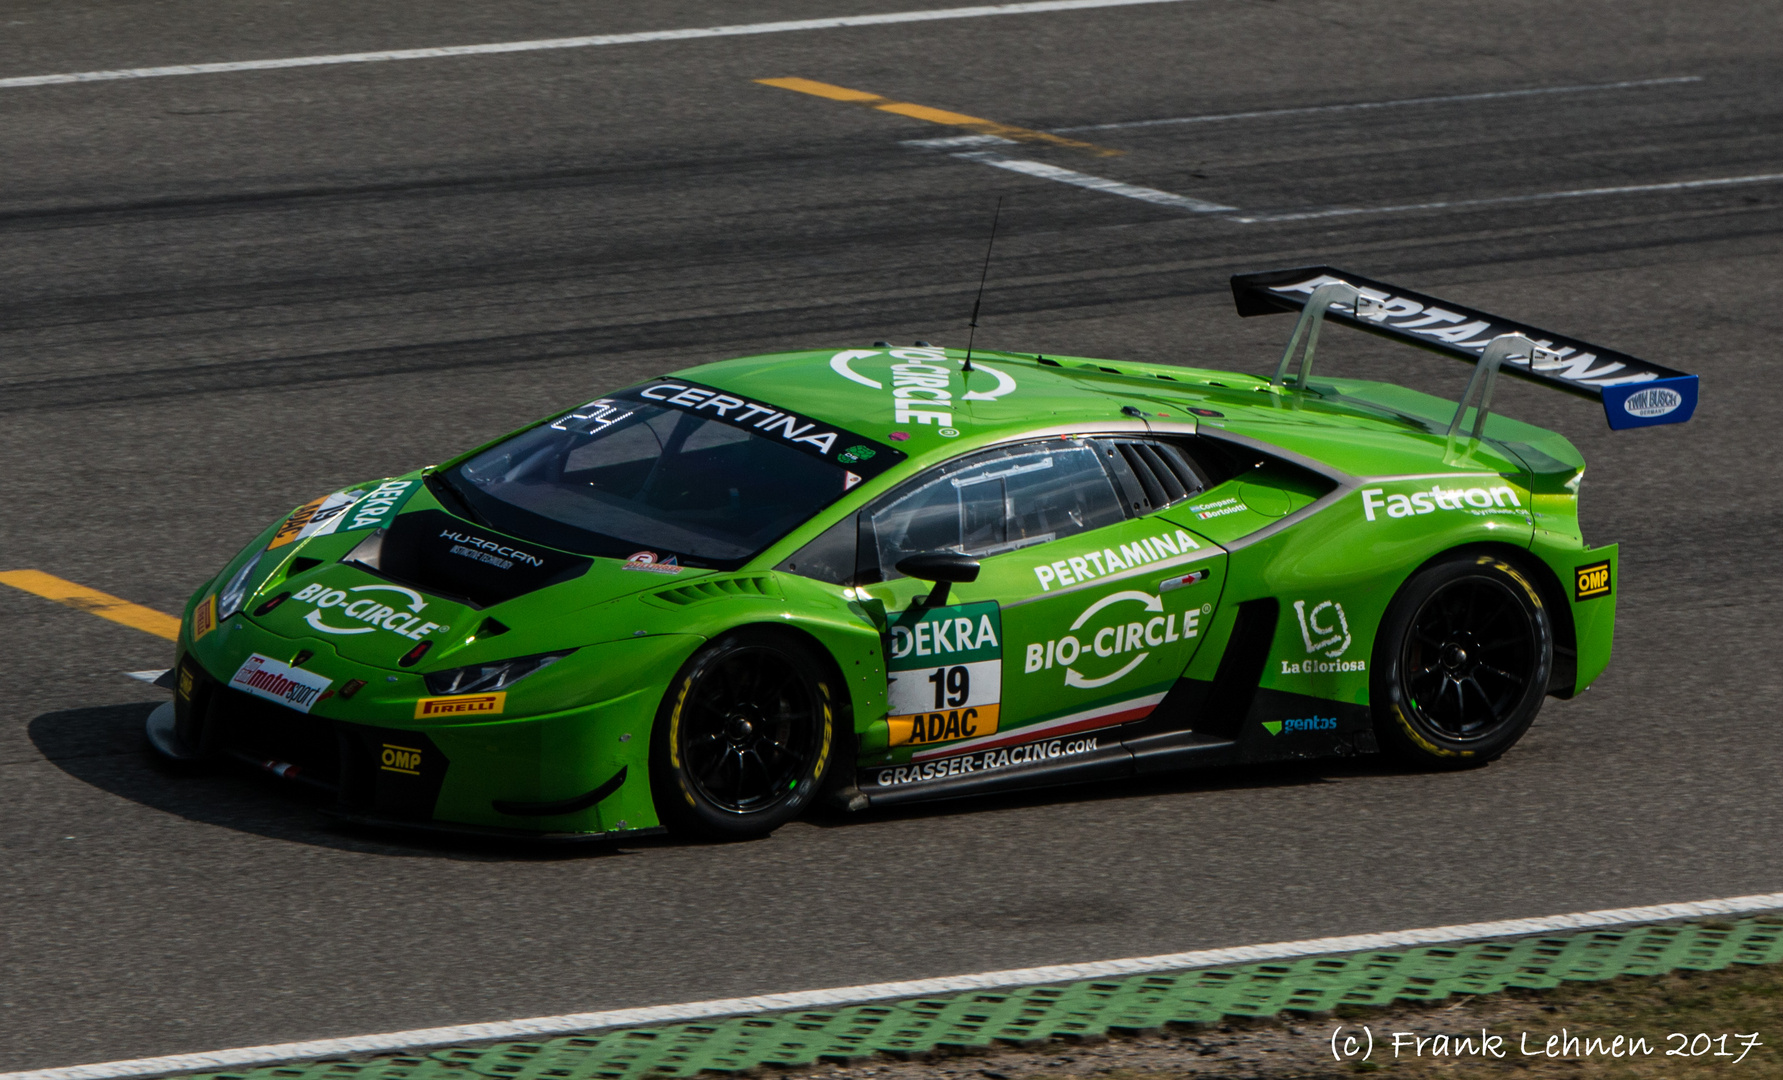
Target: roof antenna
966	367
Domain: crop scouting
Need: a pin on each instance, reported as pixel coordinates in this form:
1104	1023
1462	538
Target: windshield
705	479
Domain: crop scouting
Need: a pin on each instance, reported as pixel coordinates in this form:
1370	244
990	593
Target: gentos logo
461	705
493	552
1475	500
1590	582
400	759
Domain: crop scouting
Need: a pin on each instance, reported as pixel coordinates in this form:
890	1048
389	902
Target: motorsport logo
923	382
264	677
356	508
370	610
1094	564
1311	723
984	761
1478	501
1147	633
944	672
1333	639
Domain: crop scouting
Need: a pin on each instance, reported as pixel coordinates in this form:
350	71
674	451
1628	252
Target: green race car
882	575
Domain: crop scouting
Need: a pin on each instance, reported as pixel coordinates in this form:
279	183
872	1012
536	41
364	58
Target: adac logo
1126	633
1310	723
924	384
1590	582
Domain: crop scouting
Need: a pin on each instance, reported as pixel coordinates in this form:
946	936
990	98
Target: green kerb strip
1308	987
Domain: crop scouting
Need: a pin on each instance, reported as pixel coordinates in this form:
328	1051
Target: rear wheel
1462	663
743	738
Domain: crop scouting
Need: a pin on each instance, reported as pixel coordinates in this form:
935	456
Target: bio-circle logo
1653	401
1120	633
924	383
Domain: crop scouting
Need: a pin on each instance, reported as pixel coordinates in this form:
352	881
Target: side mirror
941	567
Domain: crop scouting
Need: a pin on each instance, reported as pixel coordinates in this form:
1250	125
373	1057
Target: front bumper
581	772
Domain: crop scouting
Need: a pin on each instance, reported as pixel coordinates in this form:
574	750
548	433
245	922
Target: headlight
234	594
486	678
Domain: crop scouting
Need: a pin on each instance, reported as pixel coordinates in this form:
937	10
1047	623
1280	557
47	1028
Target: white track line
1498	200
1491	95
1035	7
853	995
1094	183
147	676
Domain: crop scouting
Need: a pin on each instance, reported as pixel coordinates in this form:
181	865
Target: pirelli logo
204	617
461	705
1590	582
400	759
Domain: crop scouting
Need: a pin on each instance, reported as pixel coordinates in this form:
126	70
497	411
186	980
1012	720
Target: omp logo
922	382
1475	500
1140	635
1654	402
1310	723
1591	581
400	759
461	705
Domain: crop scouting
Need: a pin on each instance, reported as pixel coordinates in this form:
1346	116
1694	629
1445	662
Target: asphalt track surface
223	294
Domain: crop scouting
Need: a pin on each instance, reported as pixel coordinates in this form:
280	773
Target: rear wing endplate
1634	392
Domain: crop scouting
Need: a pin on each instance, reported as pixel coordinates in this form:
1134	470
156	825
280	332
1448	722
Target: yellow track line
93	602
935	116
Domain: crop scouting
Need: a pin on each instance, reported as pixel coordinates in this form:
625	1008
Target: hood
429	577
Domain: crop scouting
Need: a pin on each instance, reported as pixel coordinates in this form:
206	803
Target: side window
997	502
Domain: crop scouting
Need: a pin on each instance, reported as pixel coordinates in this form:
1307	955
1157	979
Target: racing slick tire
744	737
1461	663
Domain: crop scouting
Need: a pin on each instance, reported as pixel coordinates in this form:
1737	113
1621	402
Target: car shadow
105	747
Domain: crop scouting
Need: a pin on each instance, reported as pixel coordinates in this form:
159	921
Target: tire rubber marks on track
915	988
93	602
1035	7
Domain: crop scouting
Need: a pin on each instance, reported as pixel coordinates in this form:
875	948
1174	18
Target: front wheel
743	737
1462	663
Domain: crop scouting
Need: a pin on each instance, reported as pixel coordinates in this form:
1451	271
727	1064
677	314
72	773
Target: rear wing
1634	393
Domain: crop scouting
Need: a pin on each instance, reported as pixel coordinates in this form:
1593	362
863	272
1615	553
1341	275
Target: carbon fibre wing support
1634	392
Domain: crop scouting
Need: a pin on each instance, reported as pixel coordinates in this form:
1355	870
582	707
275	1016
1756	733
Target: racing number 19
953	686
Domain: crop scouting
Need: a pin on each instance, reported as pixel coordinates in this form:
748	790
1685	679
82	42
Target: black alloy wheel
1461	663
743	738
